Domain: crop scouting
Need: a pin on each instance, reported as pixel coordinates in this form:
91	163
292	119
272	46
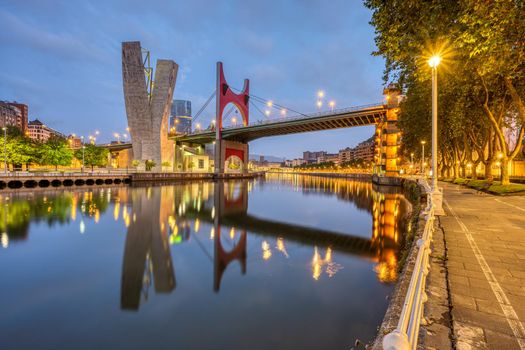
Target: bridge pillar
388	136
224	148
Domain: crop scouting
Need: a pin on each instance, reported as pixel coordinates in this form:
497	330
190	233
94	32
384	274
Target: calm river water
285	262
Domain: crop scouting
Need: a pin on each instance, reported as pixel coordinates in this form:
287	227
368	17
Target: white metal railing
406	334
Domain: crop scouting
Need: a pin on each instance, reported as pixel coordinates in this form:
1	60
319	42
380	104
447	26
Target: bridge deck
344	118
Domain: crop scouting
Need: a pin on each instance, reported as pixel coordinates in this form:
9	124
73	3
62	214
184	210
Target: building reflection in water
147	250
157	217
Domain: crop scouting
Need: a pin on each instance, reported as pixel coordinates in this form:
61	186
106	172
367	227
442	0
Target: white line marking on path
511	205
504	303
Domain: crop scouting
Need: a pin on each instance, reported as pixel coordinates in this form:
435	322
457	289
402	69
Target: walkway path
485	241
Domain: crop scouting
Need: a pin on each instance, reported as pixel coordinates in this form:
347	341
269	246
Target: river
282	262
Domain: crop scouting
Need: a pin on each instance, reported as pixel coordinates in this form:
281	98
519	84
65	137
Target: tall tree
56	151
93	155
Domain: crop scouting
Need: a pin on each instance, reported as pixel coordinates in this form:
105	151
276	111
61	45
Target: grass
495	187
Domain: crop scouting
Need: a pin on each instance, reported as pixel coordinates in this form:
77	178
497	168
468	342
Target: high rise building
180	118
13	114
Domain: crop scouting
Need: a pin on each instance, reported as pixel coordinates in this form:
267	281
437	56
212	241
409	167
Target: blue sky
62	58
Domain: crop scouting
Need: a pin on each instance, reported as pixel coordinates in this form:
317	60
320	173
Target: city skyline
287	66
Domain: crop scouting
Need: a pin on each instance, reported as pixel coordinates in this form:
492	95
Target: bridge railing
299	117
405	336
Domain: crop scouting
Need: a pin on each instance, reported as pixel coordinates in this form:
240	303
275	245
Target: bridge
342	118
148	105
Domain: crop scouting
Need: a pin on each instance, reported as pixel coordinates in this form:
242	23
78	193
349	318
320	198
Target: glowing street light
332	105
433	62
197	126
267	113
234	120
320	93
283	112
83	147
269	103
117	135
319	104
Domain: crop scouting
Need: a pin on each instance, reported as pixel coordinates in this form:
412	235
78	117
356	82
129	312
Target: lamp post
5	148
82	143
423	157
437	196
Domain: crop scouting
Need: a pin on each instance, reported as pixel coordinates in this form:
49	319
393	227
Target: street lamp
437	196
5	149
82	142
320	93
433	62
332	105
319	104
423	157
117	135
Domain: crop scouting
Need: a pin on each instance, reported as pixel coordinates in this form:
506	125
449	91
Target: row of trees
20	150
352	164
481	77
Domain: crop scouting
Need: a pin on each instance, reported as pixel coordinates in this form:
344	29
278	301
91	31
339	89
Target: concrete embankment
17	181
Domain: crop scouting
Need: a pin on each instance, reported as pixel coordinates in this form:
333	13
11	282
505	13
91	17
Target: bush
150	164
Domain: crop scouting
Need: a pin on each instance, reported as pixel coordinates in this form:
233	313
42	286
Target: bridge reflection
166	215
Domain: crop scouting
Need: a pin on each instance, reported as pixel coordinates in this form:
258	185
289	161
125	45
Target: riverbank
15	181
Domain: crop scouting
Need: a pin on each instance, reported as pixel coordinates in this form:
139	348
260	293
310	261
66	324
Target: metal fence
405	336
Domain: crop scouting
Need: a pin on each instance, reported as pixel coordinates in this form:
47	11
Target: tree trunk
473	171
488	171
505	178
56	167
464	171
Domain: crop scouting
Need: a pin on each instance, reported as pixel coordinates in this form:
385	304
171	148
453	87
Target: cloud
255	44
65	45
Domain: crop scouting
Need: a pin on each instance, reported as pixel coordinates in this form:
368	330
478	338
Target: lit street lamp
319	104
117	135
82	141
332	105
437	196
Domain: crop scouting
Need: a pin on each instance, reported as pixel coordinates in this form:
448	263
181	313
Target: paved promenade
485	242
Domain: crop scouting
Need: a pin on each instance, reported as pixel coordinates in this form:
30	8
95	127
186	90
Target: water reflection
158	217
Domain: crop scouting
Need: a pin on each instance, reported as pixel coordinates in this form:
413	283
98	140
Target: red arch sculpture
225	95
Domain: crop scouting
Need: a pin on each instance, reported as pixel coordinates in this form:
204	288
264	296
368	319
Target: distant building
328	157
180	118
311	157
365	150
74	141
38	131
346	155
13	114
298	162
